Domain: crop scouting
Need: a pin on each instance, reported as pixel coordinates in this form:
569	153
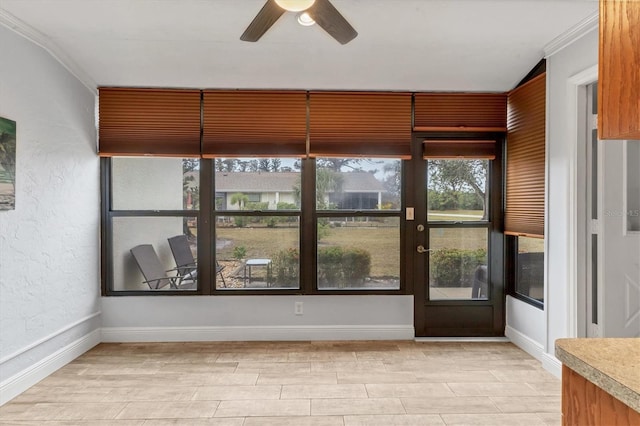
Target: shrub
356	265
285	267
455	267
330	265
286	206
239	252
272	221
343	267
240	221
337	266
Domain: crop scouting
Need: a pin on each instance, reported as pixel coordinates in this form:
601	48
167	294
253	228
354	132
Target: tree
452	178
226	165
276	163
393	180
327	181
240	199
264	165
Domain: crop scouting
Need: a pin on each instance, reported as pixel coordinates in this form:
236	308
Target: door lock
420	228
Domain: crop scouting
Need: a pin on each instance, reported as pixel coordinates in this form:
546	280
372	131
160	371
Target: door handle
421	249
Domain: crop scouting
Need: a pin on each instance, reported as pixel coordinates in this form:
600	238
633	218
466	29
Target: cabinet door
619	69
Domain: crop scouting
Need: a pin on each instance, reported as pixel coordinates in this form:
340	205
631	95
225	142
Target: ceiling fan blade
328	17
267	16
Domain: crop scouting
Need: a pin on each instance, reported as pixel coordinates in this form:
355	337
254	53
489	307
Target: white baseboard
536	350
249	333
552	364
22	381
525	343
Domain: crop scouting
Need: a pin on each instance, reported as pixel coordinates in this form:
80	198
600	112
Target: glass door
458	274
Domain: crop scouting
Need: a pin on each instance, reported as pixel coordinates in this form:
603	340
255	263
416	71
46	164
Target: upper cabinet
619	70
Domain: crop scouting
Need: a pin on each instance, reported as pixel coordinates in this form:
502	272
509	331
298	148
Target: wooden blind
525	186
254	124
459	149
343	124
460	112
149	122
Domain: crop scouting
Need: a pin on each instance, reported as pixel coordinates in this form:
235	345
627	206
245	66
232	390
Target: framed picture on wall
7	164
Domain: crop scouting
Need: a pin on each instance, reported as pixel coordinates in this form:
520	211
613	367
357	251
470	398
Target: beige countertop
611	364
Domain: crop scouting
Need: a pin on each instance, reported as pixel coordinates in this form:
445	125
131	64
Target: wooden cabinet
619	70
584	403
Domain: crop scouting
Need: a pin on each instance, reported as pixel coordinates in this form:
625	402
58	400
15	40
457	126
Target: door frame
493	309
577	223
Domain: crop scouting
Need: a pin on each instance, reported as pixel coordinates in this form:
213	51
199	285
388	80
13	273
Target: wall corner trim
22	381
19	27
588	24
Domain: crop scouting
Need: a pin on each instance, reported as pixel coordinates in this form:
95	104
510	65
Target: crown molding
19	27
579	30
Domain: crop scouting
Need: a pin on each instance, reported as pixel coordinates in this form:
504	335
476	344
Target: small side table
250	263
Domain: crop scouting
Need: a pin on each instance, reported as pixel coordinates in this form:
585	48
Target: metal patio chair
185	263
155	276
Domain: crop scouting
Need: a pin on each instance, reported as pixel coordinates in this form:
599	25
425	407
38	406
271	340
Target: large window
257	223
358	223
238	225
525	190
153	201
268	206
458	219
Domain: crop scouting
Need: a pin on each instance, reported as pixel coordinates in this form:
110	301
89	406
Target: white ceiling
417	45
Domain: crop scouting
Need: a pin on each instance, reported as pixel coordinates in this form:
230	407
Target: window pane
457	190
358	184
458	263
155	183
258	252
359	253
530	268
257	184
153	266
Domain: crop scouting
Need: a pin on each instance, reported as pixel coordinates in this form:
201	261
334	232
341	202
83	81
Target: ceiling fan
320	11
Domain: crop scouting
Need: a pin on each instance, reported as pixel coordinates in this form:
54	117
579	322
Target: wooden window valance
360	124
525	182
444	112
254	123
149	122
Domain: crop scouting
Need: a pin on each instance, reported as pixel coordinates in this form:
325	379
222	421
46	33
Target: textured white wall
49	257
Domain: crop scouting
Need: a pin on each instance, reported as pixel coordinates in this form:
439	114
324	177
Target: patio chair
152	270
185	263
480	287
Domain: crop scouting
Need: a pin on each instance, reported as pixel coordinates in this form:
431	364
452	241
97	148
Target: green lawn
383	242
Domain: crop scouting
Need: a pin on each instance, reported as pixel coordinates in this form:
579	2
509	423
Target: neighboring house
359	190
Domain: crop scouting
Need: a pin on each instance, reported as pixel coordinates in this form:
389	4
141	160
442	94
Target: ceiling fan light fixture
305	19
295	5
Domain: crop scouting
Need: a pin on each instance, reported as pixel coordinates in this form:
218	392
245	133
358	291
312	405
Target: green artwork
7	164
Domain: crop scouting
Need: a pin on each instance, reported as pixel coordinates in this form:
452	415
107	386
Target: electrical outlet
297	308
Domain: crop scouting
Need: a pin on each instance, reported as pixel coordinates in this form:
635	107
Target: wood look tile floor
294	383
